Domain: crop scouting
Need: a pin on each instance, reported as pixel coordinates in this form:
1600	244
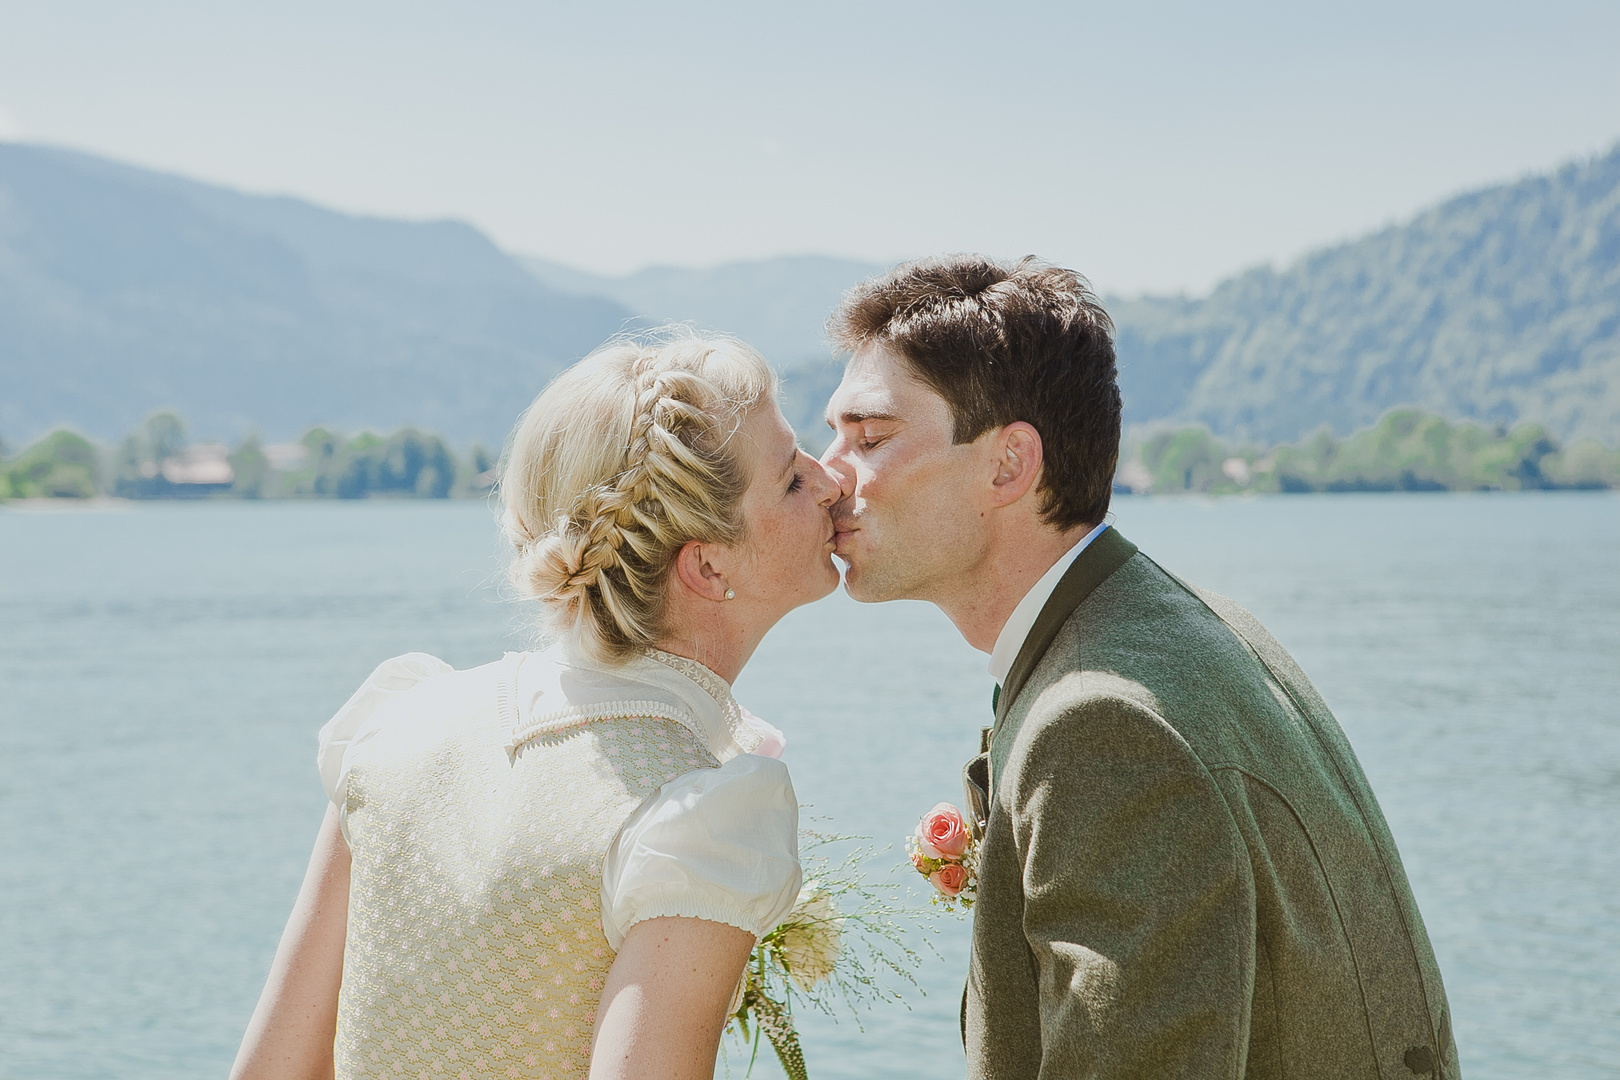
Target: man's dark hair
1003	343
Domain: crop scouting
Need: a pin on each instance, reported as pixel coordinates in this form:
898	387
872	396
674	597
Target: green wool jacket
1183	871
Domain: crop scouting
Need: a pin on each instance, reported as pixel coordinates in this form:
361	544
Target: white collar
560	688
1022	619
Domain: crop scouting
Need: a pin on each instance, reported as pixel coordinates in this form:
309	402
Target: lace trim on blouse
578	716
568	716
718	689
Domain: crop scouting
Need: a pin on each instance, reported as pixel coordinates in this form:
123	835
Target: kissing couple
556	865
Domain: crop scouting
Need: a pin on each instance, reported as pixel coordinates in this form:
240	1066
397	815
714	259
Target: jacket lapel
1102	557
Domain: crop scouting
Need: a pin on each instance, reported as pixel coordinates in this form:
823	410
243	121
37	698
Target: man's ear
1017	461
695	569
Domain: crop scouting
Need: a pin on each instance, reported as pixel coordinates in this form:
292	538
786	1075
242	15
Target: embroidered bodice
509	824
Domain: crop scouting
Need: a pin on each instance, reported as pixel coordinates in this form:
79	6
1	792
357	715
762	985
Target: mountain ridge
778	305
1500	305
123	291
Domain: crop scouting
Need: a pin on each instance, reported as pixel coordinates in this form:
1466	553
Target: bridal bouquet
841	944
942	850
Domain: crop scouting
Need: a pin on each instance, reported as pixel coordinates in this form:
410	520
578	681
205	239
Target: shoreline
113	504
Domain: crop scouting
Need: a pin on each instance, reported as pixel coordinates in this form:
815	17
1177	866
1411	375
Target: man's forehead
876	382
863	390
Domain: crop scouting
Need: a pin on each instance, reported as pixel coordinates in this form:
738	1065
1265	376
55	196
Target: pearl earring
731	594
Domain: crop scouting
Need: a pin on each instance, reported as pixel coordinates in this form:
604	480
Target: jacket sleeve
1138	897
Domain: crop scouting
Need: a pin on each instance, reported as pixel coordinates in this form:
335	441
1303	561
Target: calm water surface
163	671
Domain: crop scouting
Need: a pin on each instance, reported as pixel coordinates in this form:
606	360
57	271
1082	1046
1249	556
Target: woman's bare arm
665	1001
290	1036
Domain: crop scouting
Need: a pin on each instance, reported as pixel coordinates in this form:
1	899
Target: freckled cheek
781	544
808	533
810	536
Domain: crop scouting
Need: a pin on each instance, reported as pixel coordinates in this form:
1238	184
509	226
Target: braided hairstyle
618	464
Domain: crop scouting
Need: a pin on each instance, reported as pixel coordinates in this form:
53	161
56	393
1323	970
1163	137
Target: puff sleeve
720	844
351	724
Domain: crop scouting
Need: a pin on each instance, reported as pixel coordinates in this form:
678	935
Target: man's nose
827	487
837	466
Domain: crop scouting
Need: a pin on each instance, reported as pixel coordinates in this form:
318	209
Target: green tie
995	699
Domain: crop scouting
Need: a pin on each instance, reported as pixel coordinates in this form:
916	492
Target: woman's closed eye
797	483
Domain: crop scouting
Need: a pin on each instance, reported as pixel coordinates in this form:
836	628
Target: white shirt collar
560	688
1022	620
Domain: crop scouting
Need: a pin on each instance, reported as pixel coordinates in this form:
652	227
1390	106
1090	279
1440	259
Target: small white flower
811	936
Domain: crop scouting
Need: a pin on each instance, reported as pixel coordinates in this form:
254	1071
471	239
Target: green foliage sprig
843	946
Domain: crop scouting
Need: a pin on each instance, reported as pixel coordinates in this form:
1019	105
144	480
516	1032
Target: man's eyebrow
862	417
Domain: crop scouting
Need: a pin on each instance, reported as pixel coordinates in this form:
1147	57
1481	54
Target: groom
1183	871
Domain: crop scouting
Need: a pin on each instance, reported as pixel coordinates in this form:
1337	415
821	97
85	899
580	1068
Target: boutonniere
945	853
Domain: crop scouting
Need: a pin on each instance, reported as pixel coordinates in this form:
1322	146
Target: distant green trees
406	463
158	462
1407	450
62	465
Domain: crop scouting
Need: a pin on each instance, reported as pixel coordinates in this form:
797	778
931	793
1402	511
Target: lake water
163	670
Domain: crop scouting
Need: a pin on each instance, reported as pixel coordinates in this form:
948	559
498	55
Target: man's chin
858	586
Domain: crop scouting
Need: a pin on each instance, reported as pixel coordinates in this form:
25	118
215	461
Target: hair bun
554	568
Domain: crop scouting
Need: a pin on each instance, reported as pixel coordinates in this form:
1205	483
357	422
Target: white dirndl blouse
509	825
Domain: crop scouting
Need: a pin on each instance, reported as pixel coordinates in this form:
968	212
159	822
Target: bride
557	864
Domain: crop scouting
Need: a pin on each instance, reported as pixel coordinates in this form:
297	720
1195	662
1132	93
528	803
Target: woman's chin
825	577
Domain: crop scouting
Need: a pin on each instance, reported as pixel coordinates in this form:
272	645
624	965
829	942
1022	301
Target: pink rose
942	830
949	879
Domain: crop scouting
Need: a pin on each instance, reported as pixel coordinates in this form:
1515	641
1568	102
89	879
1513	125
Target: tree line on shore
158	462
1407	450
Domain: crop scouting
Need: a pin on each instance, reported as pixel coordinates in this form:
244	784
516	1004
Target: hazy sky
1152	146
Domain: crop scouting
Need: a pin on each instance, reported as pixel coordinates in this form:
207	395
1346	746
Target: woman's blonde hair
625	458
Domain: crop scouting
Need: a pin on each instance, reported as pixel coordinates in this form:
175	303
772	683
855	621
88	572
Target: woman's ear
695	569
1018	462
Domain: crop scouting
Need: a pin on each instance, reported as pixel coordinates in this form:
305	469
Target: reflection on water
163	672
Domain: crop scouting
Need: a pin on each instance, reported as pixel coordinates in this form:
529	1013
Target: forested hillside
1502	305
124	291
